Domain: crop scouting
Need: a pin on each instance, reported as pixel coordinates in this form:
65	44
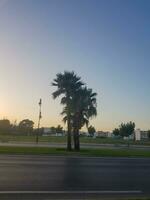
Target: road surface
49	175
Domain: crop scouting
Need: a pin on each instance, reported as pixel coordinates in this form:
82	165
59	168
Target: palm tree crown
66	84
85	105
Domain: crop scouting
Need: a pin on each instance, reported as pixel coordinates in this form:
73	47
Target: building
141	135
60	134
144	135
104	134
49	132
46	131
137	134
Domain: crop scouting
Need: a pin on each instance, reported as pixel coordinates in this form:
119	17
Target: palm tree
67	84
85	108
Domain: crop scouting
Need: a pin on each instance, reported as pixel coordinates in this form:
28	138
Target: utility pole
40	116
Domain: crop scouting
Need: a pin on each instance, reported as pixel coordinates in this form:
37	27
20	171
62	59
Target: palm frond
63	101
65	119
65	111
57	93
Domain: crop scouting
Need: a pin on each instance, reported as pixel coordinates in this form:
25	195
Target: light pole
40	116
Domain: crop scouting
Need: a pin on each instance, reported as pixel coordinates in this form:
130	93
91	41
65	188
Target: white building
140	135
48	132
103	134
137	133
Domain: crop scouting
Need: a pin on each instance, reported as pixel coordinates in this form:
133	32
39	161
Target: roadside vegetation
84	152
125	129
63	139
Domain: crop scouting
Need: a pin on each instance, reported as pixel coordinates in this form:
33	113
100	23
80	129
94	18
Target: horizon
105	42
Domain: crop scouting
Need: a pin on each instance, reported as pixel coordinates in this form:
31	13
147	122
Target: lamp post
40	116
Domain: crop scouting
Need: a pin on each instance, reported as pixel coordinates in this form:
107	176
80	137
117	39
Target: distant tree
116	132
91	130
59	129
5	123
53	130
26	126
5	126
148	134
126	129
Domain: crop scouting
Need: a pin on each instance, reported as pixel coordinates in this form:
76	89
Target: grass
18	138
83	152
54	139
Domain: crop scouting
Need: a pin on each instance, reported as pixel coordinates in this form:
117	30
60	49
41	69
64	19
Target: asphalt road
44	176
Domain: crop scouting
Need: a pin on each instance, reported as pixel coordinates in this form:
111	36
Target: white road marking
74	192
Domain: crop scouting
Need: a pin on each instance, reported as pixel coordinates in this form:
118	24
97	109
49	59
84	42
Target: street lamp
40	116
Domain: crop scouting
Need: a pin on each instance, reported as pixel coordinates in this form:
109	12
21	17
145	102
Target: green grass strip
83	152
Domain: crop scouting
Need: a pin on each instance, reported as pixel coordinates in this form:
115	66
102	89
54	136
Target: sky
106	42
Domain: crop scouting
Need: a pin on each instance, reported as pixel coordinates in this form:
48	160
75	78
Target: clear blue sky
106	42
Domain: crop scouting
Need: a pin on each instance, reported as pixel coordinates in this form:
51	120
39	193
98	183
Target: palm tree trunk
74	138
69	139
76	133
69	148
77	141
